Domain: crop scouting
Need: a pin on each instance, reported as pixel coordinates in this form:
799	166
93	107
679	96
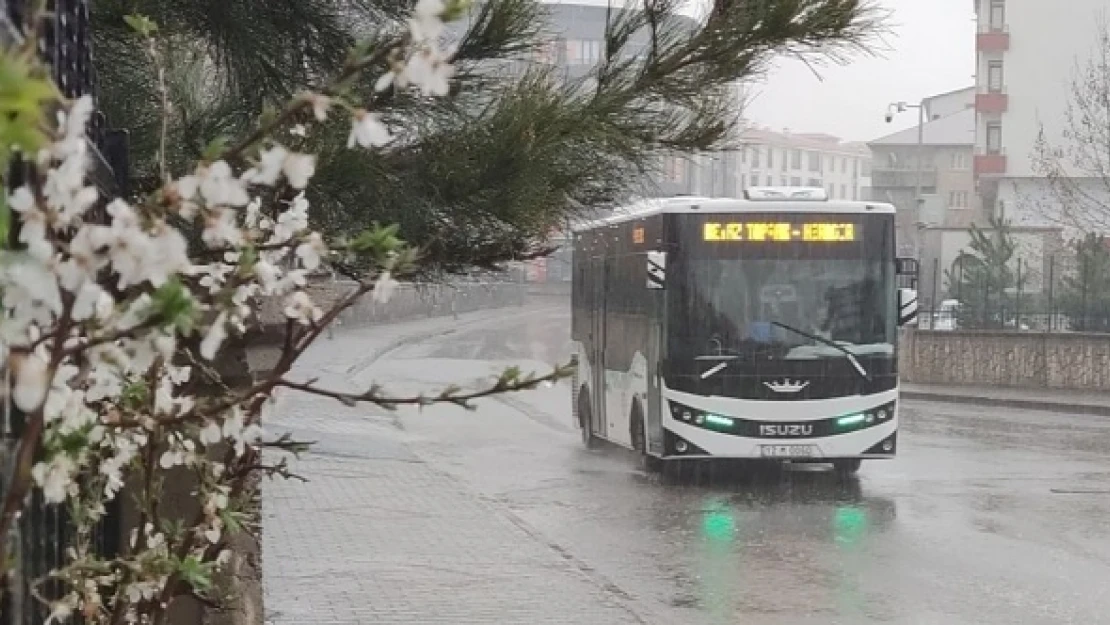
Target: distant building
950	103
770	158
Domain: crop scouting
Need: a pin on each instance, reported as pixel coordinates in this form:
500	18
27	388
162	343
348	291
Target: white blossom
320	106
33	228
270	163
426	23
292	220
211	434
298	169
54	477
31	383
221	229
240	434
429	71
310	251
368	130
299	307
215	337
384	287
220	188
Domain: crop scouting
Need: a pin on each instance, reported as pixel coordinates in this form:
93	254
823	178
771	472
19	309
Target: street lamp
900	107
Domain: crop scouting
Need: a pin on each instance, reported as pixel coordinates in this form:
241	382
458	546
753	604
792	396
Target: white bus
755	328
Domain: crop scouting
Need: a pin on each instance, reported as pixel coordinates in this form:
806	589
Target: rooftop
819	142
955	129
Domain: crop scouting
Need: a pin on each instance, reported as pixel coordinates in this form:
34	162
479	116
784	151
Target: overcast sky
931	50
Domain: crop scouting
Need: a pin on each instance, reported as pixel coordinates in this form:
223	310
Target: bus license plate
787	451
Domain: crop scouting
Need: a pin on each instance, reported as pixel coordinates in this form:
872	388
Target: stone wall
408	301
995	358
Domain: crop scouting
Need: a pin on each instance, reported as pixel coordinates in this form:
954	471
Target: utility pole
918	200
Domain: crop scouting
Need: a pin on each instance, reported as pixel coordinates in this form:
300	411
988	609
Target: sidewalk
1055	400
380	535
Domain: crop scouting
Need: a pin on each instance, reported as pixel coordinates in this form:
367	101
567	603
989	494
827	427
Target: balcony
992	102
901	178
992	41
990	164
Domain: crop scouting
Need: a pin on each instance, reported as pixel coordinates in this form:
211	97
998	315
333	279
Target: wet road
986	516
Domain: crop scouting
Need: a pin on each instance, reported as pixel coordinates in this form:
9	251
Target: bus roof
689	204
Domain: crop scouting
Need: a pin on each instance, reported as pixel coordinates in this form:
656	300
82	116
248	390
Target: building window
796	160
832	191
785	181
844	165
814	162
994	76
770	157
795	182
547	53
843	192
998	15
865	169
755	180
596	50
574	51
959	161
855	193
755	156
785	158
958	199
676	169
814	182
770	181
855	168
994	138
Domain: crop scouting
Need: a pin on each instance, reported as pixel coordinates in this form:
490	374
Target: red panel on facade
991	102
990	164
992	42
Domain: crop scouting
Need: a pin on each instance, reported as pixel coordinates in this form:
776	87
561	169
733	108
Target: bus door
598	384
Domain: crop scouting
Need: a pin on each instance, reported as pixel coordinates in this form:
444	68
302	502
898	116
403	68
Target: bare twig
452	395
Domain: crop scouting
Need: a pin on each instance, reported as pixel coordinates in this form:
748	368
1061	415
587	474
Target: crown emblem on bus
787	386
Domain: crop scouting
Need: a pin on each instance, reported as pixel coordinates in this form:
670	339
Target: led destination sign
762	231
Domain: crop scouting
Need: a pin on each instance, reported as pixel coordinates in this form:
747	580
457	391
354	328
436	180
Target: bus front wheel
653	464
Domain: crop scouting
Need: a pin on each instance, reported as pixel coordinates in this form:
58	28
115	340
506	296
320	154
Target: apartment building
771	158
1028	53
949	103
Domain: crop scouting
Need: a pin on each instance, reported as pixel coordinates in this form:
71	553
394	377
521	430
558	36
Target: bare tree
1077	165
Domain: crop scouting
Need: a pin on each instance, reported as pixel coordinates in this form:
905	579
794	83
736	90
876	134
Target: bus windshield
741	305
741	322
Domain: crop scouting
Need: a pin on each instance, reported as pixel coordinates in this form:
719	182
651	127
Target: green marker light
850	420
718	420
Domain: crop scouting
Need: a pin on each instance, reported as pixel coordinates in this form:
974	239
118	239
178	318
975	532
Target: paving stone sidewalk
379	535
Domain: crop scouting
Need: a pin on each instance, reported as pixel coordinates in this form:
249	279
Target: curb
405	340
1025	404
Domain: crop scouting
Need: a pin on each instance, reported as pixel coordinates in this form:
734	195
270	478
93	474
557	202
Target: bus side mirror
656	269
907	307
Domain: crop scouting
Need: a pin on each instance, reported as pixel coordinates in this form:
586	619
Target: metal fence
44	532
1064	293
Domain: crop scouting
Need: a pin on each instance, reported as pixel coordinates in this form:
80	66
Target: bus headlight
701	418
867	418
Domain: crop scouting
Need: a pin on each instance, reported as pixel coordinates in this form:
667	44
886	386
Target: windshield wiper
863	373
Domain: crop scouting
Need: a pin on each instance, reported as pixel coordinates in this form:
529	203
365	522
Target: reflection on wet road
987	516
